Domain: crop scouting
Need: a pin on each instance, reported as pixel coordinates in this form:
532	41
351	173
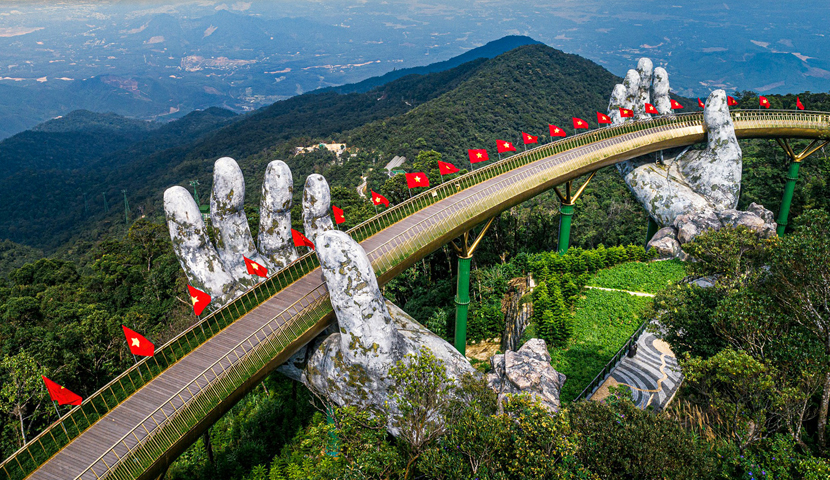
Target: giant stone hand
350	366
685	191
220	270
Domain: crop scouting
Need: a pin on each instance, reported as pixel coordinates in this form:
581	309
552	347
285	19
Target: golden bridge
136	426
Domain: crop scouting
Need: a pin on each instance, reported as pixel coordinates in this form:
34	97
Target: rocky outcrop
665	243
690	226
755	218
316	207
527	371
516	315
351	367
274	239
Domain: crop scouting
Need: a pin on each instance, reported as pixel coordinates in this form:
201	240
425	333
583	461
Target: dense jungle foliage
61	311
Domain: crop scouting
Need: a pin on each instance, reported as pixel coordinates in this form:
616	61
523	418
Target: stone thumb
364	322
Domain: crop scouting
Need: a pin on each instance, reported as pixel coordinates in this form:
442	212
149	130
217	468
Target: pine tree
557	325
541	303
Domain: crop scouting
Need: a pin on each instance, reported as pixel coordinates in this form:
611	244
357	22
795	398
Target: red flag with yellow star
798	103
626	113
603	118
504	146
379	199
650	109
700	103
418	179
300	240
763	101
60	394
556	131
199	299
338	215
731	101
528	138
675	105
138	344
445	168
255	268
478	155
580	123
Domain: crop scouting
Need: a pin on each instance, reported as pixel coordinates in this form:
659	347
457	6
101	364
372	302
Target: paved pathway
652	374
637	294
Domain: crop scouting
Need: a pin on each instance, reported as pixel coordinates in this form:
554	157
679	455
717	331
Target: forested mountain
489	50
47	208
469	106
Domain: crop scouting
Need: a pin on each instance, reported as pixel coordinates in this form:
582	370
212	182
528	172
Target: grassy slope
604	320
640	277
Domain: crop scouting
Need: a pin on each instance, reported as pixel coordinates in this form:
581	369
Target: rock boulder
527	371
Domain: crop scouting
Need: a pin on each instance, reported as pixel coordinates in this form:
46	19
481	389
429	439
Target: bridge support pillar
566	211
652	229
462	297
792	177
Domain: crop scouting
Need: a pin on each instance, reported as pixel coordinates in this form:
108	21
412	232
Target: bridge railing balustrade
80	418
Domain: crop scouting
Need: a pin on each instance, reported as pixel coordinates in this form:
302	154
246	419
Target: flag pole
59	415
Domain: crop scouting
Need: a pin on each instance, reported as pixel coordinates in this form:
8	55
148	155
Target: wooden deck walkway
94	447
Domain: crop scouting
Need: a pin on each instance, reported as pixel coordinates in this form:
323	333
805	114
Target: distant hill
467	106
84	120
489	50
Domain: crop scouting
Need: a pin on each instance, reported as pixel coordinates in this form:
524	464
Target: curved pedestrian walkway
652	374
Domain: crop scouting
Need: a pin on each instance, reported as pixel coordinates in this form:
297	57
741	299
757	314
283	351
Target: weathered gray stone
526	371
715	173
665	243
631	82
690	226
274	238
227	214
197	256
316	207
660	90
762	212
645	70
615	103
351	367
735	218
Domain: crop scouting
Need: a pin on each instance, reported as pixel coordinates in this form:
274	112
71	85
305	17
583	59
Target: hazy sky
744	44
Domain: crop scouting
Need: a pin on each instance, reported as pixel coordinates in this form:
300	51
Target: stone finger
645	69
366	330
227	212
615	103
316	207
631	82
274	239
715	173
660	91
197	256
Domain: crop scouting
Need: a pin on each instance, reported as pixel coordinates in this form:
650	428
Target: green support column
792	176
652	229
789	188
462	302
462	296
566	211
